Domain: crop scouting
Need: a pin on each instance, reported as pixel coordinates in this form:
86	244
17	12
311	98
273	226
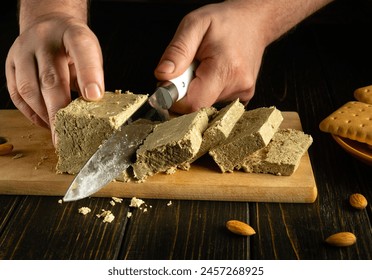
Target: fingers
22	83
203	90
229	57
54	82
84	50
73	80
39	75
182	49
215	82
38	83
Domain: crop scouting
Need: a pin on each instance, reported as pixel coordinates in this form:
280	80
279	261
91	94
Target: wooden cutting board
33	173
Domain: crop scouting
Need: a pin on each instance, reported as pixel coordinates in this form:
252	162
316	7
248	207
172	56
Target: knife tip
68	199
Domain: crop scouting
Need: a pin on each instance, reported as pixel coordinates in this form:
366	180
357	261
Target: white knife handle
182	82
172	91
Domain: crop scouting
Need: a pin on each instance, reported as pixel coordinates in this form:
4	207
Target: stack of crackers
353	120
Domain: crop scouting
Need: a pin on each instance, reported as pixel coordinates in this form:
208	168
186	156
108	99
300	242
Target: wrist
32	11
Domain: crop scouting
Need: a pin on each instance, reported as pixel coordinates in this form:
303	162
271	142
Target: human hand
54	55
228	42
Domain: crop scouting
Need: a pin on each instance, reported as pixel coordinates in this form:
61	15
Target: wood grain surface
34	172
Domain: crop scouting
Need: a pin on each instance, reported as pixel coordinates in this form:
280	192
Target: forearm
279	16
31	10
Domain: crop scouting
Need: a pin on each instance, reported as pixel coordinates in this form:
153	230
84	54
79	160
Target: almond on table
6	149
341	239
358	201
240	228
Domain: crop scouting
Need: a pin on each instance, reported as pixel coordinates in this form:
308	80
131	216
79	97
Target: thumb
182	49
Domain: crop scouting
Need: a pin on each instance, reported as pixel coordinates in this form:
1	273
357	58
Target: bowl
359	150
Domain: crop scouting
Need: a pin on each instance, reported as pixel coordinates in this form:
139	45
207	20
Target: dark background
128	36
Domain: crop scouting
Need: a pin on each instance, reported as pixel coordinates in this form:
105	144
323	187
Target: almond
358	201
240	228
5	149
341	239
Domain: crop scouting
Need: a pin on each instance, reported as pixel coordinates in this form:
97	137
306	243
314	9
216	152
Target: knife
172	91
117	153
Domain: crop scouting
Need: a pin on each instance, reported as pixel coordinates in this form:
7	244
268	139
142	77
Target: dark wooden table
312	70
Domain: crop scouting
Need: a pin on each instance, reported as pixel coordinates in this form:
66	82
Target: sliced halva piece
252	132
281	156
142	125
170	144
124	176
218	129
82	126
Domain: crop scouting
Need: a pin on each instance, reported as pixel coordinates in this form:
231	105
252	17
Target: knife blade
106	164
117	153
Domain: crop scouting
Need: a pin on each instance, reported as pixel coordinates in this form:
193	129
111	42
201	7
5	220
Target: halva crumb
84	210
136	202
41	161
17	156
117	200
107	216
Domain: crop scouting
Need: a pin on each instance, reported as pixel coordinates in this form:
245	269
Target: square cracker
353	120
364	94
